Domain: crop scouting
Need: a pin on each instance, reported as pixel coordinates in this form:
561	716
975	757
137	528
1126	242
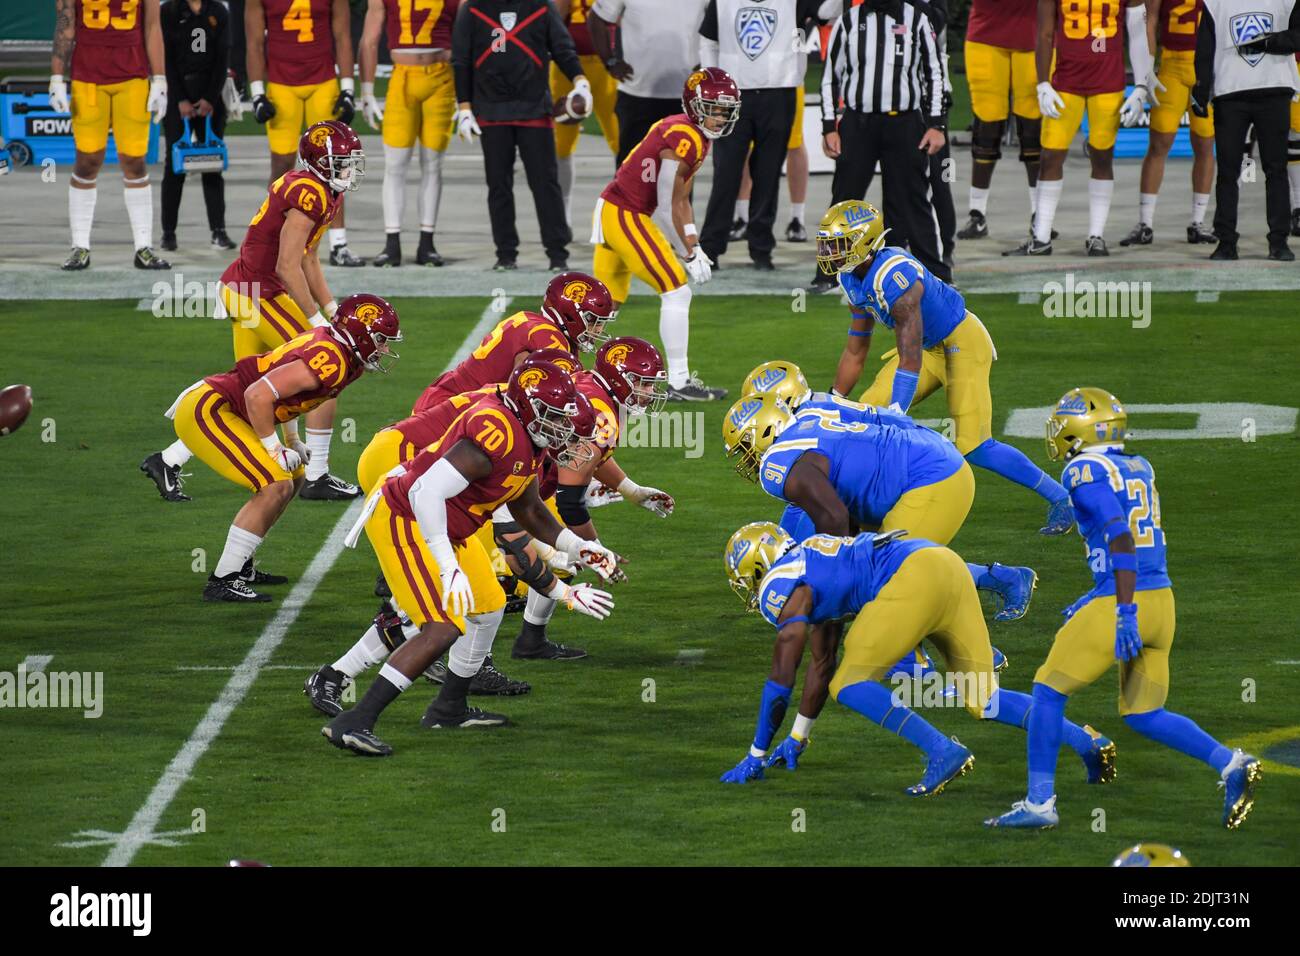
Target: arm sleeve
1288	40
663	214
709	25
1139	51
462	38
428	497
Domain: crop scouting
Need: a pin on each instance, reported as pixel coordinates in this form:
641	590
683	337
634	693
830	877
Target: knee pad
1028	132
986	140
466	655
389	626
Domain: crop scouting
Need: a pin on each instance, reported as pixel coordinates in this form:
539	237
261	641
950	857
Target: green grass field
100	574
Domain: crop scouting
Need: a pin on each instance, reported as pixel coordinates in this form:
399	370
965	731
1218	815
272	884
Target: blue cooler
208	156
1132	143
34	133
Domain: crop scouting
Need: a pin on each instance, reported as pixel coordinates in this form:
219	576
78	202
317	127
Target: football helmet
369	326
543	396
582	306
633	371
711	94
565	360
333	152
750	554
779	378
849	234
749	428
1083	417
580	449
1151	854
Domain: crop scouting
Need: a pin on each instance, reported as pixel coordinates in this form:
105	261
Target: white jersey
661	41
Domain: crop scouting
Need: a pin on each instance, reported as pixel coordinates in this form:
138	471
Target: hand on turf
751	768
698	266
1132	110
1049	101
157	102
58	94
787	752
457	595
588	600
1128	643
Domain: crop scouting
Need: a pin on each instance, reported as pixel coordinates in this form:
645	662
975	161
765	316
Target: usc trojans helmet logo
695	79
320	135
531	378
367	312
618	354
576	291
568	365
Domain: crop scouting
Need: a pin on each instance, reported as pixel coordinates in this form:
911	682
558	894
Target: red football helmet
711	95
368	324
582	307
565	360
633	371
543	396
333	152
580	449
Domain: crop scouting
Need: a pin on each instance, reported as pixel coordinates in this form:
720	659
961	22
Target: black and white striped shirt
881	62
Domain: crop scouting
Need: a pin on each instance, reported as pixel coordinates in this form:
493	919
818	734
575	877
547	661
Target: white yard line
141	828
35	663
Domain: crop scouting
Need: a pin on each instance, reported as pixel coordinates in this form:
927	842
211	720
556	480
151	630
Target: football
572	109
15	406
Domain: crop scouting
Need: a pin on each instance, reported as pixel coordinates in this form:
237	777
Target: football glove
1132	110
457	594
787	752
591	554
698	267
1200	102
300	447
1049	101
157	102
651	499
263	109
751	768
371	108
59	94
467	127
230	97
286	458
1128	643
345	107
599	494
1154	86
586	599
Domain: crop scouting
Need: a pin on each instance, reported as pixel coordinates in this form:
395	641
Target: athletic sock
81	213
798	210
675	331
538	609
451	697
368	651
1182	734
1146	209
1033	201
176	454
318	443
1010	462
240	545
1100	192
385	689
338	237
1293	176
393	192
742	209
1200	203
1046	719
875	702
430	188
1049	194
979	200
139	210
564	165
1013	707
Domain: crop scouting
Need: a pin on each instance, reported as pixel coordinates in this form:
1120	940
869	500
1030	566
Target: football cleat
329	488
391	257
796	232
738	229
77	260
231	588
433	719
1024	815
426	254
824	284
436	673
505	265
1030	247
168	242
1225	251
382	590
1000	661
1197	233
1100	760
220	240
941	769
1239	779
695	391
547	651
1060	517
1016	588
1095	246
490	682
763	264
167	479
360	740
1280	252
325	690
1140	235
977	227
558	264
341	255
146	259
251	575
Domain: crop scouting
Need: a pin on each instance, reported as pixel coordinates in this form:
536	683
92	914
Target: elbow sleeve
570	500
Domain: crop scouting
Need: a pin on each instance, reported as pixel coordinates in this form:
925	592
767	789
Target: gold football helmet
1151	854
849	234
749	428
750	553
1083	417
779	378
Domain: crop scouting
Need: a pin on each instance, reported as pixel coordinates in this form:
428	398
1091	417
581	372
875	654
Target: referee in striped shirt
883	65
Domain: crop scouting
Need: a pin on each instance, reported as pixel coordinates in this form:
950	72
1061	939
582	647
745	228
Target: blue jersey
851	411
891	273
1108	483
871	466
845	574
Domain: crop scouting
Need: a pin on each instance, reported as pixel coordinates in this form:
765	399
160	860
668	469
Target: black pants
765	120
1272	118
941	170
214	186
535	145
636	114
909	213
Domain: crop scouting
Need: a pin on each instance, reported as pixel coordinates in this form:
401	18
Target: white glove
457	595
582	87
157	102
1154	86
591	554
698	267
230	97
651	499
1132	110
286	458
299	447
586	599
370	107
466	126
59	94
1049	101
559	561
599	494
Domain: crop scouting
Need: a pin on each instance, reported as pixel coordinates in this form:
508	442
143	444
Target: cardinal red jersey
500	434
330	361
548	478
1009	24
1089	47
578	11
494	359
109	45
425	428
299	41
419	24
260	250
1178	22
606	407
632	188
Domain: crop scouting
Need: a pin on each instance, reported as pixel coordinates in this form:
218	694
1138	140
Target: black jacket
501	52
196	47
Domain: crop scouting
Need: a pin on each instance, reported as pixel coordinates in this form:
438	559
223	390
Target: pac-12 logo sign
509	18
1246	27
755	27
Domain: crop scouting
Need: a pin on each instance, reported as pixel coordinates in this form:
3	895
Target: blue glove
788	751
751	768
1128	643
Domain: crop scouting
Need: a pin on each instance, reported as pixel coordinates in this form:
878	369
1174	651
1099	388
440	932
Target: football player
841	474
1000	69
1128	616
114	50
644	224
420	103
229	421
1171	85
940	345
422	525
273	292
1080	62
604	89
899	590
575	311
293	50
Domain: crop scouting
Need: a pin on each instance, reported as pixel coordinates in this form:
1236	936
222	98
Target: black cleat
341	255
695	391
764	265
325	690
233	589
391	257
251	575
795	232
77	260
1197	234
1225	251
490	682
1095	246
434	719
547	651
1139	236
146	259
382	590
1055	234
220	240
360	740
505	265
1280	252
329	488
559	264
738	229
1030	247
426	254
167	479
168	242
823	284
977	227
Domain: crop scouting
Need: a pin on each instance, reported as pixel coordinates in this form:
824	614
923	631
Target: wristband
1127	610
443	553
802	727
159	80
904	388
257	88
347	84
56	77
271	442
367	89
558	592
628	488
1124	562
689	229
837	393
317	320
330	308
569	543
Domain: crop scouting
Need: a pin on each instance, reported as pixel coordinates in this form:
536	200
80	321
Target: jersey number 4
297	19
1143	517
